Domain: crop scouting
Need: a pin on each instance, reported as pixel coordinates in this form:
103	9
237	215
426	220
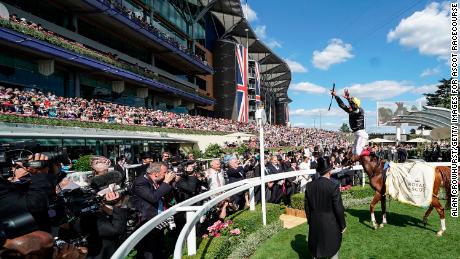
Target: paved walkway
291	221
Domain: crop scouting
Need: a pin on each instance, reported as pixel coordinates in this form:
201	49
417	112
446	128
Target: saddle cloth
411	183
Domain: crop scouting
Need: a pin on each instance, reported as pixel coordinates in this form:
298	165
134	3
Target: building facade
159	54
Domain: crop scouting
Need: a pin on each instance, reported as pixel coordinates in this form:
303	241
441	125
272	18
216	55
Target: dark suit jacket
238	174
146	198
272	169
325	213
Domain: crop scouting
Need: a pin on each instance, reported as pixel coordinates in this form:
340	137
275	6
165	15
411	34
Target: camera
16	225
78	242
169	223
70	205
12	153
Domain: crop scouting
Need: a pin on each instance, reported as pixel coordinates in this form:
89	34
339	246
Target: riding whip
332	97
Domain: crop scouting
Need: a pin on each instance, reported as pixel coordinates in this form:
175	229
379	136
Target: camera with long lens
21	151
16	225
71	205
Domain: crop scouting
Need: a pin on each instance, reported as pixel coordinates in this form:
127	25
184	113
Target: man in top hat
356	121
325	213
147	159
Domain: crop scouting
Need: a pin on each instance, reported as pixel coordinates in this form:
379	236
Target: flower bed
248	222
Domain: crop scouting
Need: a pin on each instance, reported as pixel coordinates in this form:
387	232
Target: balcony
252	72
111	14
251	97
251	86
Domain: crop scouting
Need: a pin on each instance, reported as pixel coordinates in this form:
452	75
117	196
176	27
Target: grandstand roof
275	73
434	117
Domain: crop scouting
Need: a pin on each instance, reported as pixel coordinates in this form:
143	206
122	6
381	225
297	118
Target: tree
213	151
441	97
344	128
412	131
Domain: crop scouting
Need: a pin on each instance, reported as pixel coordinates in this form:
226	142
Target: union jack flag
241	71
257	85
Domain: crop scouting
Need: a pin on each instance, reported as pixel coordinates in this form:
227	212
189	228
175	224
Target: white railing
195	212
226	190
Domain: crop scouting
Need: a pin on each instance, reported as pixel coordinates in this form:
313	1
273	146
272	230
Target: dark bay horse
374	169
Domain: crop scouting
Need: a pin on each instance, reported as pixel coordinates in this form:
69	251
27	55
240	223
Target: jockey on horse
356	121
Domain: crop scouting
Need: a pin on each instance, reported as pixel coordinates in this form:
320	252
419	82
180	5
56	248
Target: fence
193	213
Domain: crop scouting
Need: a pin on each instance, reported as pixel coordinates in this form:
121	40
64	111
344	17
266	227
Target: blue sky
382	50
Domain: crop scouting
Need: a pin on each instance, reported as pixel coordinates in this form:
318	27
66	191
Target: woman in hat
325	213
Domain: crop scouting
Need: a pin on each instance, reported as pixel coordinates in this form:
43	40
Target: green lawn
403	237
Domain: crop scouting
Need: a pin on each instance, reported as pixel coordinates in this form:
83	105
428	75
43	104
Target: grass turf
403	237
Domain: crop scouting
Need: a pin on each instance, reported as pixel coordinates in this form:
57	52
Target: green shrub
248	222
242	149
213	151
358	192
355	196
297	201
83	164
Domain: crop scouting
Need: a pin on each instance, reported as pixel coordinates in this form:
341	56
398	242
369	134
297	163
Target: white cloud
334	112
430	72
336	52
424	89
249	13
274	44
427	30
261	31
379	90
422	100
295	66
307	87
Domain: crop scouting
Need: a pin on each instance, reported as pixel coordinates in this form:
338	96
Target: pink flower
235	231
205	236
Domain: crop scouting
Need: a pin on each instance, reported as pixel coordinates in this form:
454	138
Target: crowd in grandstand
142	20
38	104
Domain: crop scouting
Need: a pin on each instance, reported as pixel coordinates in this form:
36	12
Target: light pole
261	120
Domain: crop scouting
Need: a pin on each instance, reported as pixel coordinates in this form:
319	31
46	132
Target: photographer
151	195
105	228
34	193
186	183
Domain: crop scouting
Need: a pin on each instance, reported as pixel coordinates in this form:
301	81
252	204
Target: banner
411	183
241	70
257	85
387	111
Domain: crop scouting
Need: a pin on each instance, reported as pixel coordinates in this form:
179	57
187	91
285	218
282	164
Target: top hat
323	165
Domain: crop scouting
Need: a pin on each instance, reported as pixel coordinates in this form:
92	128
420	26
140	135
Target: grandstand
162	55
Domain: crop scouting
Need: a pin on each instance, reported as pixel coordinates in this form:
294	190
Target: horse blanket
411	183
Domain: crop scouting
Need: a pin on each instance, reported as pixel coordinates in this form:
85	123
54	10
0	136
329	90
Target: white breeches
361	138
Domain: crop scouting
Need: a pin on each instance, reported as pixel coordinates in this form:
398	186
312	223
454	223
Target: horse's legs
435	202
384	210
374	201
427	214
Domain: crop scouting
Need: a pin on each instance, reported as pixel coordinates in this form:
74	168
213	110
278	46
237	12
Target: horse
374	168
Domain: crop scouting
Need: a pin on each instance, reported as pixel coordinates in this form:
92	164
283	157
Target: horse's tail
445	176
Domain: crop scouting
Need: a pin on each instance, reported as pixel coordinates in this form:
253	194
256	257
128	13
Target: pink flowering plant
222	228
